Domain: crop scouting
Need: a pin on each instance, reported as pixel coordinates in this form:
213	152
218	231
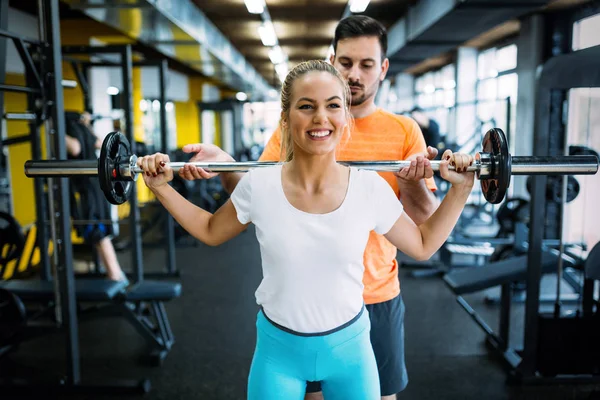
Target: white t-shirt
313	263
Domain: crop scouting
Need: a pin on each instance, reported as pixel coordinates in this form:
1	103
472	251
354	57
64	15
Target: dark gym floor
213	323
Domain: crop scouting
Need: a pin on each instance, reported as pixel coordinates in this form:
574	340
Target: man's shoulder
404	122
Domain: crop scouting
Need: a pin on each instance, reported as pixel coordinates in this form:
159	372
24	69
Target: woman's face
317	116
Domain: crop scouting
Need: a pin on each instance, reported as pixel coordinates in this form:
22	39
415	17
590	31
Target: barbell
117	169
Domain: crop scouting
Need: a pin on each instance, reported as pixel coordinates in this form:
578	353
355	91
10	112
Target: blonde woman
313	217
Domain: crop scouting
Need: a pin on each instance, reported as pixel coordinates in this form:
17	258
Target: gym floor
213	324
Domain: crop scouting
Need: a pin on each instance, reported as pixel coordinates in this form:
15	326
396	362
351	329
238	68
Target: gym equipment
12	319
142	304
12	240
554	189
494	166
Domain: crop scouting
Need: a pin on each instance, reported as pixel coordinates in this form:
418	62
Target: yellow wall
218	131
187	115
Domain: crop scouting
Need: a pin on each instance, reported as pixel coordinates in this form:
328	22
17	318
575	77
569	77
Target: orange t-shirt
381	136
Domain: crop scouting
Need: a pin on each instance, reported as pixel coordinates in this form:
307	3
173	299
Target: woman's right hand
460	162
157	171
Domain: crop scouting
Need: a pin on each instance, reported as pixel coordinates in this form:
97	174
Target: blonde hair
287	146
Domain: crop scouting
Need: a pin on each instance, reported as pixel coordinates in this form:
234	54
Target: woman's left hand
459	176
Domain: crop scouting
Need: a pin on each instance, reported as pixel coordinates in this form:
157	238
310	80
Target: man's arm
229	180
272	152
416	183
418	200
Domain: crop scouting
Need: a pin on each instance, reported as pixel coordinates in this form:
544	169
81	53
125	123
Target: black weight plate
115	147
554	188
494	188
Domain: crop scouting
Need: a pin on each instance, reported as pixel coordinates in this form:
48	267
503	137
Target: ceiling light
255	6
276	55
241	96
111	90
358	6
267	34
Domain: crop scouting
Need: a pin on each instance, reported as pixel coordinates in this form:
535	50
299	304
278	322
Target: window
151	122
582	214
436	94
497	82
585	33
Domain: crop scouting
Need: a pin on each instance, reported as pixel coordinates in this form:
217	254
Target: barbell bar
561	165
117	167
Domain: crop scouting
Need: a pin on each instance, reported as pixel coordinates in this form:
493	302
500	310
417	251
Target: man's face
359	61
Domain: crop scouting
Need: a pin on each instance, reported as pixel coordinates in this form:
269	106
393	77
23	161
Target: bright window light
429	89
156	106
255	6
450	84
241	96
267	34
273	93
358	6
111	90
282	70
276	55
169	106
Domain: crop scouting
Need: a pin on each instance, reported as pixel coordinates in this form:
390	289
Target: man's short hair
361	25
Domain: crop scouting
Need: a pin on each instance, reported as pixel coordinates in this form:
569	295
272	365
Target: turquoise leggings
342	360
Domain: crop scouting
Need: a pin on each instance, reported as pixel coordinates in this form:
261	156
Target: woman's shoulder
364	175
264	174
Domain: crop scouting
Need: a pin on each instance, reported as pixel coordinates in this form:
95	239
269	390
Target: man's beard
360	98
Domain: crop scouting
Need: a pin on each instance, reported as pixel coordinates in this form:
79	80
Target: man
360	45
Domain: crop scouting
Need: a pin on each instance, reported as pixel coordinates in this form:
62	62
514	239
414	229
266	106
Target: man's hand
420	166
204	153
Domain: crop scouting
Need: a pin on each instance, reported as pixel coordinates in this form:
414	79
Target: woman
313	217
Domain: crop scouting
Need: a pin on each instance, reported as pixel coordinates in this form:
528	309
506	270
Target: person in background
87	200
429	127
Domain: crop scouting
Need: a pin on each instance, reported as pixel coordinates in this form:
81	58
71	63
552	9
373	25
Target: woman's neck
313	172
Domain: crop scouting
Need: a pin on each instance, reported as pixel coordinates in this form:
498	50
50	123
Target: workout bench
142	304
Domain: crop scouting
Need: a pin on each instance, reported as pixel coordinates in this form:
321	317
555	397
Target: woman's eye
305	106
334	105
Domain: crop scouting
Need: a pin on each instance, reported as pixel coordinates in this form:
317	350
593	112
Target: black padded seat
497	273
153	291
85	289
